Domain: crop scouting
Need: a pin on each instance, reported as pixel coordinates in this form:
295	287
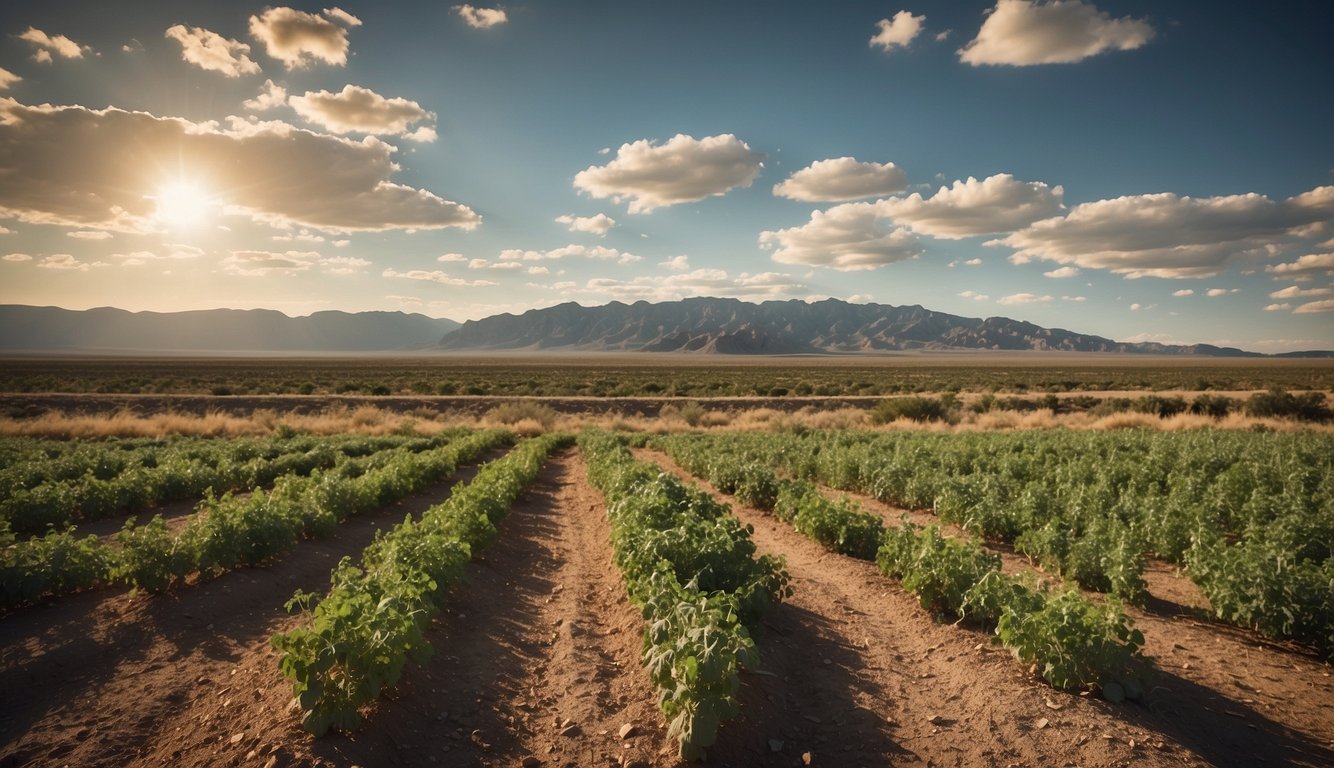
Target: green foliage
842	526
939	570
1276	403
912	408
362	634
691	567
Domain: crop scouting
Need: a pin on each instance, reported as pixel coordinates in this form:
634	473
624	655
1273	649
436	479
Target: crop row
228	532
363	632
97	480
1249	515
1073	641
690	566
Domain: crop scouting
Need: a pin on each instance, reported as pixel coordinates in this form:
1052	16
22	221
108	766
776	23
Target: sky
1145	171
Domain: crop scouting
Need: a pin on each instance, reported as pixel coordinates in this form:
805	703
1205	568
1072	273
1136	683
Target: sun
183	205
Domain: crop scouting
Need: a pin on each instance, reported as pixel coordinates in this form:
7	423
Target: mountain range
30	329
731	326
697	325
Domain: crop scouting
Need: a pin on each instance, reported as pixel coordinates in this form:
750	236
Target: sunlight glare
183	205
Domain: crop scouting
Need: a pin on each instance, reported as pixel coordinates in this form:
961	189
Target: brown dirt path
91	679
1225	690
540	632
1191	720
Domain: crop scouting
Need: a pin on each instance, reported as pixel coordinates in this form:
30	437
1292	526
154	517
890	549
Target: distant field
629	376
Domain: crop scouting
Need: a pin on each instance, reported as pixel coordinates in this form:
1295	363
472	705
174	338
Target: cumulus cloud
1297	292
481	18
344	265
970	208
683	170
435	276
1277	307
1184	292
597	225
974	295
170	251
1167	235
299	39
842	178
898	31
596	252
676	264
699	282
1023	32
846	237
211	51
46	45
1024	298
17	257
342	17
248	263
7	79
1062	272
1304	268
271	96
361	110
78	167
1311	307
1076	299
86	234
451	258
67	263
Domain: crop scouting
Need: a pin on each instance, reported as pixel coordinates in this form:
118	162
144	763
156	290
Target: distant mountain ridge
731	326
105	329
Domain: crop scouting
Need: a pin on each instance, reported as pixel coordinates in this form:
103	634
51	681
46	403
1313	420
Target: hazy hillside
24	328
775	327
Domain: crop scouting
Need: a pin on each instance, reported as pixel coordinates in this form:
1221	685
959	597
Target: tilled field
537	662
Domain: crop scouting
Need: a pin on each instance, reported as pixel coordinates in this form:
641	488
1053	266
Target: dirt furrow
861	675
1220	689
540	632
94	678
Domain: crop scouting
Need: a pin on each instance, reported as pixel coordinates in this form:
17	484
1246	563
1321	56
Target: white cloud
271	96
538	270
684	169
974	295
1024	298
344	265
84	234
6	231
597	225
435	276
173	251
941	36
78	167
1137	307
1311	307
507	266
897	32
595	252
298	39
1022	33
1215	292
1167	235
1304	268
842	178
451	258
211	51
971	208
361	110
676	264
700	282
248	263
1076	299
1277	307
1184	292
1296	292
846	237
17	257
7	79
481	18
66	262
46	45
341	16
1062	272
304	236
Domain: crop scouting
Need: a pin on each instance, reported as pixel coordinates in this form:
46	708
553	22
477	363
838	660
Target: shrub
1276	403
912	408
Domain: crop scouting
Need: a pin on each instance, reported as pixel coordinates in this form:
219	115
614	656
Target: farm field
777	595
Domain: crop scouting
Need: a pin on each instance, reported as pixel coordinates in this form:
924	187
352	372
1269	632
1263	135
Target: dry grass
527	420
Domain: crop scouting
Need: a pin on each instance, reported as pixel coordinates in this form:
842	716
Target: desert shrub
524	410
912	408
1216	406
1276	403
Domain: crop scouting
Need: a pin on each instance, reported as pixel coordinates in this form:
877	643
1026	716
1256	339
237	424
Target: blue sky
1160	171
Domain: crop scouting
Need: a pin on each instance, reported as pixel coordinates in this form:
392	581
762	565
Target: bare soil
1220	695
